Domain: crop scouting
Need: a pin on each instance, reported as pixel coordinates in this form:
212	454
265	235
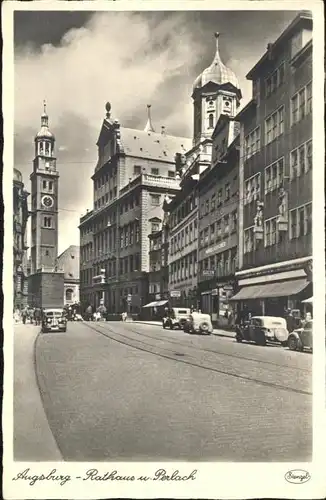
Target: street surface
124	391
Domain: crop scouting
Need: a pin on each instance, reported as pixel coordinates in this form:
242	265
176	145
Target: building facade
68	261
45	283
275	173
216	93
20	217
134	173
218	223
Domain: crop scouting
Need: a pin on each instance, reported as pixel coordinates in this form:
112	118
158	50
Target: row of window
274	125
300	163
183	210
219	229
252	189
217	199
301	160
223	263
129	264
130	202
154	171
106	198
129	235
184	268
275	80
48	222
185	237
47	186
301	106
300	225
106	221
101	181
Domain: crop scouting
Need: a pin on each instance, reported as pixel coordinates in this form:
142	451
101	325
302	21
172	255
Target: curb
217	334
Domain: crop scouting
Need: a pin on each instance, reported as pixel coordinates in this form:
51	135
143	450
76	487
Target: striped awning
308	301
156	304
269	290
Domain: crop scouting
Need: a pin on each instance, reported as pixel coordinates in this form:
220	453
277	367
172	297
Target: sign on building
208	272
175	293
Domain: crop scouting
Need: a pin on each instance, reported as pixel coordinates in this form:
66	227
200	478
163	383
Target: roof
217	72
17	176
69	262
302	17
152	145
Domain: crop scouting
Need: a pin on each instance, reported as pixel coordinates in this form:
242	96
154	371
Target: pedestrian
89	313
37	316
24	316
290	321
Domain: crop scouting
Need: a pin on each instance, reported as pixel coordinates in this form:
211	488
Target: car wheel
238	338
171	326
163	324
293	343
204	327
64	330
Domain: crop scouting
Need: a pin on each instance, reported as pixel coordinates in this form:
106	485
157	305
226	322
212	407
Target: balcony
160	181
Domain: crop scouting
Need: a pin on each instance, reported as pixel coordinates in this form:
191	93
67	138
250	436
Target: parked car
176	317
198	323
301	338
262	329
54	320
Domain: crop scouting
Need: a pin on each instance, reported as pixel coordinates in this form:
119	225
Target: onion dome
44	133
217	72
17	175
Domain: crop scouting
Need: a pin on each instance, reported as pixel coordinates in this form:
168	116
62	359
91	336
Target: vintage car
301	338
54	320
176	317
263	329
198	323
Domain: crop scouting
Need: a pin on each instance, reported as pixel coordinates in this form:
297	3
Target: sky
77	61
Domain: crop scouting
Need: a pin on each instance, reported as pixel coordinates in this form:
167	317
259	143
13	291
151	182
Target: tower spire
149	126
217	53
44	117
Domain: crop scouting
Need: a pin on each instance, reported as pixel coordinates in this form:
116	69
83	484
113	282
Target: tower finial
217	36
149	126
44	106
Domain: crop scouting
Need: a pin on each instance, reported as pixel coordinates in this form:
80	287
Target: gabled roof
69	262
152	145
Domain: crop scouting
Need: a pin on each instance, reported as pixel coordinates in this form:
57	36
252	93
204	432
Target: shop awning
156	304
269	290
308	301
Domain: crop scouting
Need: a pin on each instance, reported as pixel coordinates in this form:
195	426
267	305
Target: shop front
215	299
272	290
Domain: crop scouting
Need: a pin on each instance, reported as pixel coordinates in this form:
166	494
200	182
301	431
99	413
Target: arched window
211	120
69	293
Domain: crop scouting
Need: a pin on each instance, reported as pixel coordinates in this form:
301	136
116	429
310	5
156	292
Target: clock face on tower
47	201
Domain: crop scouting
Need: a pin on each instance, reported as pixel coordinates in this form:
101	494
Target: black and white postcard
164	273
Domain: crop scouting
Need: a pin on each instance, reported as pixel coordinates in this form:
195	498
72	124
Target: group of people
31	315
92	314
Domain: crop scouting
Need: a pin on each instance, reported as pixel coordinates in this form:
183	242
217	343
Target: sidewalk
33	439
217	331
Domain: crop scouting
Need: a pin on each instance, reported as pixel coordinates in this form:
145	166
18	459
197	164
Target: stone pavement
217	331
33	439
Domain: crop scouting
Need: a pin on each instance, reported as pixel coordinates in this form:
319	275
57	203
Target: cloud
129	59
116	57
